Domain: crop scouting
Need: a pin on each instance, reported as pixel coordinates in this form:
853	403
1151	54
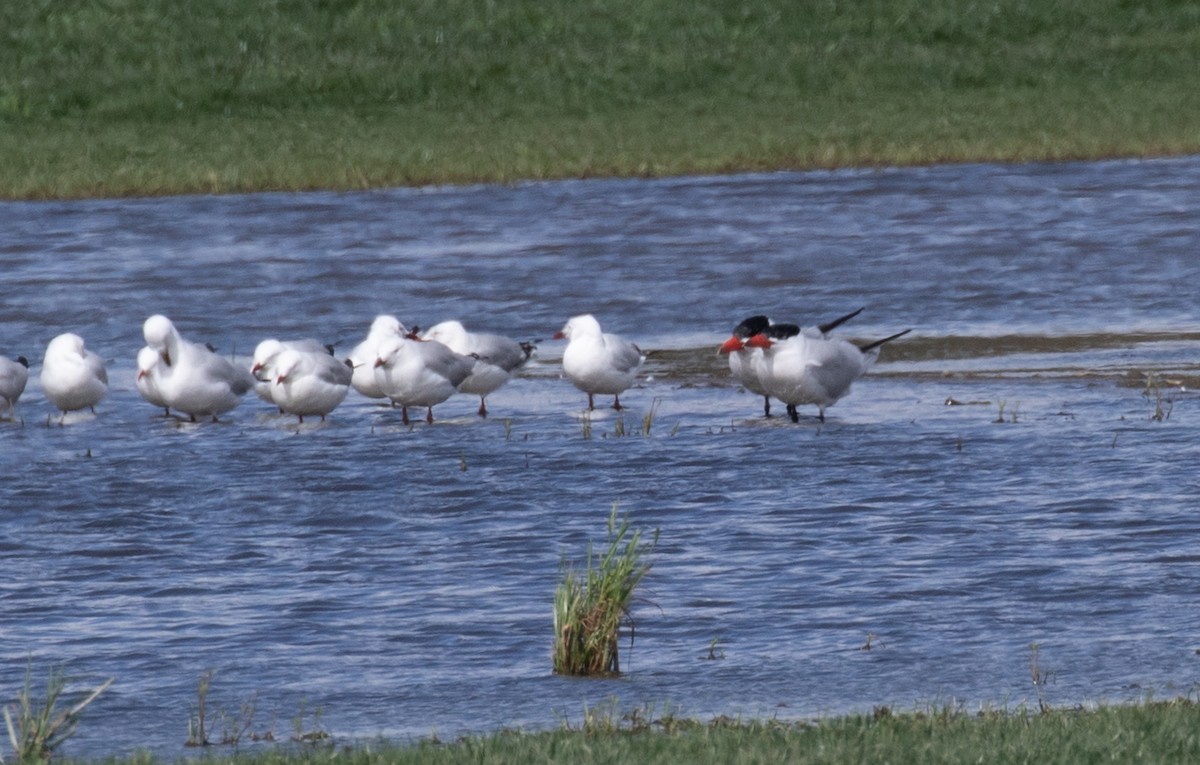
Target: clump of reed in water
589	606
35	729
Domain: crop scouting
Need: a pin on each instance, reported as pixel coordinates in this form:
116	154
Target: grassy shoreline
1157	732
143	97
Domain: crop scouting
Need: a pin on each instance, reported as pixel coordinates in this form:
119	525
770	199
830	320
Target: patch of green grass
1161	733
590	606
151	96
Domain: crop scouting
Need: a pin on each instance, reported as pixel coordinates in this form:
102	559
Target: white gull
72	376
191	378
363	357
266	354
14	374
419	373
496	357
309	382
598	362
147	382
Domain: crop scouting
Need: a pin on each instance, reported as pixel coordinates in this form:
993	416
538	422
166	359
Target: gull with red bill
596	361
413	372
309	382
191	378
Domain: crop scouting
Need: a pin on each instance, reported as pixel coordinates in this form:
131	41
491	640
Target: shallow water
400	579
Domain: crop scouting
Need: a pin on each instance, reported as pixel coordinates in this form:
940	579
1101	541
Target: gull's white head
584	325
388	350
147	360
387	326
448	332
285	364
160	335
264	353
67	343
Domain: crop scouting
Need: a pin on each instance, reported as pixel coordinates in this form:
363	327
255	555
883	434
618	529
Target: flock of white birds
304	378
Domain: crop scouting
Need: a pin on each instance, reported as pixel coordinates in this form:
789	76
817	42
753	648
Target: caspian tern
191	378
813	370
309	382
363	357
496	357
72	376
741	357
419	373
13	376
744	361
598	362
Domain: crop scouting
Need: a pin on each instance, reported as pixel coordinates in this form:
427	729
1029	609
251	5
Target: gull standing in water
148	361
496	357
13	376
363	357
191	378
72	376
309	382
419	373
598	362
266	354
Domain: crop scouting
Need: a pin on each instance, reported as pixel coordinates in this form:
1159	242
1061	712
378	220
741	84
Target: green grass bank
1161	733
124	97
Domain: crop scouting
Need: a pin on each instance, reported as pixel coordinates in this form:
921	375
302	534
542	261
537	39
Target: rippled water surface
400	579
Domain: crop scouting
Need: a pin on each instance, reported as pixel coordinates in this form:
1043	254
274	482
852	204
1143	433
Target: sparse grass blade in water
38	730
